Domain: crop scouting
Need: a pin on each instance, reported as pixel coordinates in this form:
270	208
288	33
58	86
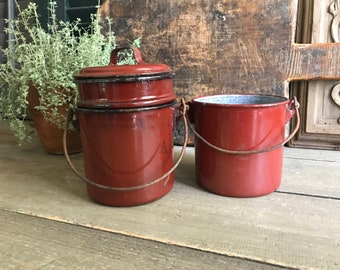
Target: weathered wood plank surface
225	46
28	242
314	61
218	46
282	229
307	176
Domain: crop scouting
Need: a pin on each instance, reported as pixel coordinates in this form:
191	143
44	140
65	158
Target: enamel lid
141	69
125	86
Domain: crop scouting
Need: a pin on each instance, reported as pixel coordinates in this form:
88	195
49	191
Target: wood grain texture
33	243
225	46
216	46
314	61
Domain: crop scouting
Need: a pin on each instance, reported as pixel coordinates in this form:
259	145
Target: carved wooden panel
320	99
323	115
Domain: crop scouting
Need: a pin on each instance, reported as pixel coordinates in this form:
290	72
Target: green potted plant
37	78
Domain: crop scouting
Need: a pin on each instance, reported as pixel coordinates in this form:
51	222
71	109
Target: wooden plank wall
217	46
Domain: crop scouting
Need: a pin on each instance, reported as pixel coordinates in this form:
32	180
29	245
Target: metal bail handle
136	53
245	152
165	176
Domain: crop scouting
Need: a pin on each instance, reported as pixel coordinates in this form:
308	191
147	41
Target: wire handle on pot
165	176
245	152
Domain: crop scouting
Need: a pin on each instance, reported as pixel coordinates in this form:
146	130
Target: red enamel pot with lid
125	86
126	122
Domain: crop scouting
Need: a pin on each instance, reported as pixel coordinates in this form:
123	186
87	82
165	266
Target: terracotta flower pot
50	136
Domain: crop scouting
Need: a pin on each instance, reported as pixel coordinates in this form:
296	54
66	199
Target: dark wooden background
213	46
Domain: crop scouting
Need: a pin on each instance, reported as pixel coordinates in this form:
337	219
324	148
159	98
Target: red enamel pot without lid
126	122
239	143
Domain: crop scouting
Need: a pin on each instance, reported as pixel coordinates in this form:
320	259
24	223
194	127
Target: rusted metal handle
165	176
136	52
247	152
